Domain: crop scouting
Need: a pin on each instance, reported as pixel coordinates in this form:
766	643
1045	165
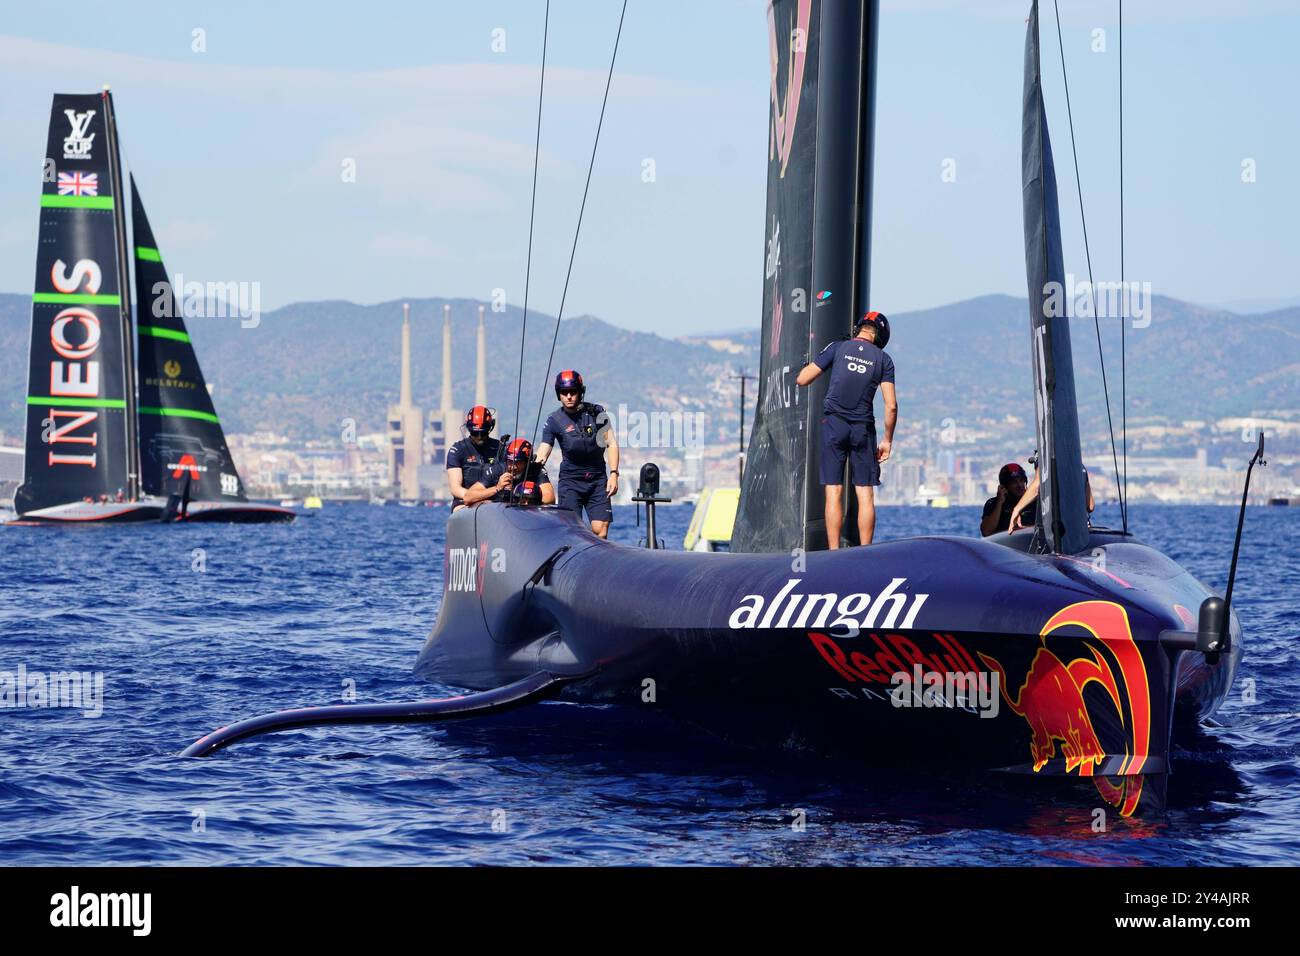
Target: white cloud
14	233
408	246
185	233
444	90
408	163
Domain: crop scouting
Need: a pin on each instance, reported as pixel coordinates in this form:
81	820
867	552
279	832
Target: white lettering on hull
848	614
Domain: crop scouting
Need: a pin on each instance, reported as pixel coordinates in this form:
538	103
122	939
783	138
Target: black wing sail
815	255
77	391
1062	510
181	441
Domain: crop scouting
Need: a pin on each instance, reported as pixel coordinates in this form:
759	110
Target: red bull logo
1051	700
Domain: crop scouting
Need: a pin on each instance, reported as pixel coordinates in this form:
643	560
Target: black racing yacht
112	435
1060	651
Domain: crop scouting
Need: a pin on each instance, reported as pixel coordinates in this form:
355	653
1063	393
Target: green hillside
308	366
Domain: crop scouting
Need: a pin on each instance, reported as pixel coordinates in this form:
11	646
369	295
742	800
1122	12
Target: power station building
417	447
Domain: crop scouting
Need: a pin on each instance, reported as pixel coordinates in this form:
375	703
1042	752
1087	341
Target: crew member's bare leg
866	513
834	513
601	528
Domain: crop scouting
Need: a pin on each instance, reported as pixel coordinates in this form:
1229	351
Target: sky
239	118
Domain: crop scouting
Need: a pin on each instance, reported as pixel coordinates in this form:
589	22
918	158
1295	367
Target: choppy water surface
283	616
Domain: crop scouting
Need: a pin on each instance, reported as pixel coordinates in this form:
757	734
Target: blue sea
194	627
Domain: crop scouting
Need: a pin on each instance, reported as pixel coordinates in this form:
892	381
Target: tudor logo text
462	569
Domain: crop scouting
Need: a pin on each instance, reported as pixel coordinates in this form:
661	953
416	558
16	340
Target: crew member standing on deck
582	430
467	459
858	366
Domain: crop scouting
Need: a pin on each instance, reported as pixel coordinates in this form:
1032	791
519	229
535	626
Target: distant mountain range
308	366
1255	306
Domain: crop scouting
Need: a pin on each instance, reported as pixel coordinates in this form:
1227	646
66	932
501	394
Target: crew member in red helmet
515	479
476	451
585	436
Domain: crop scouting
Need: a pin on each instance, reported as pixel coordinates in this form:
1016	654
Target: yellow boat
715	514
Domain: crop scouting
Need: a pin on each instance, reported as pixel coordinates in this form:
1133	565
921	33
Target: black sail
78	396
1062	510
816	253
181	442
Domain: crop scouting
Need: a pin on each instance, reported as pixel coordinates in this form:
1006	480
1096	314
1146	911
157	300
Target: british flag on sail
78	184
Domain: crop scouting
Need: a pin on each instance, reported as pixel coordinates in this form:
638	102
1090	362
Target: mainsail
80	407
816	255
1062	511
181	442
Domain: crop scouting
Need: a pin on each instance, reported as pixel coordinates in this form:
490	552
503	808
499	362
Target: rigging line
532	212
578	228
1123	318
1092	287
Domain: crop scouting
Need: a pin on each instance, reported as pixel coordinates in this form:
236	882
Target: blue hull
940	653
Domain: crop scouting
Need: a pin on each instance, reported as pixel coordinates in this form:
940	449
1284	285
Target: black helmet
479	422
567	381
1011	471
527	493
879	322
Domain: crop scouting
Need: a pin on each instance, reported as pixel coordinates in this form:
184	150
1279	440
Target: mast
124	283
1062	523
841	242
816	254
77	394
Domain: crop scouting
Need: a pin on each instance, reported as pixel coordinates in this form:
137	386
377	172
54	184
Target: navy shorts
851	441
579	492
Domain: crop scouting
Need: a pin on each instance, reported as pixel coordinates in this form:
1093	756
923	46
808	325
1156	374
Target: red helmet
521	449
568	381
479	421
1011	472
877	321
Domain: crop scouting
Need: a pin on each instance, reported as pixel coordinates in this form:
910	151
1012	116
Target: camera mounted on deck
647	493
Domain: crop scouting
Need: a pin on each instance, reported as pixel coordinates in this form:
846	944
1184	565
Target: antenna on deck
1214	626
744	377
